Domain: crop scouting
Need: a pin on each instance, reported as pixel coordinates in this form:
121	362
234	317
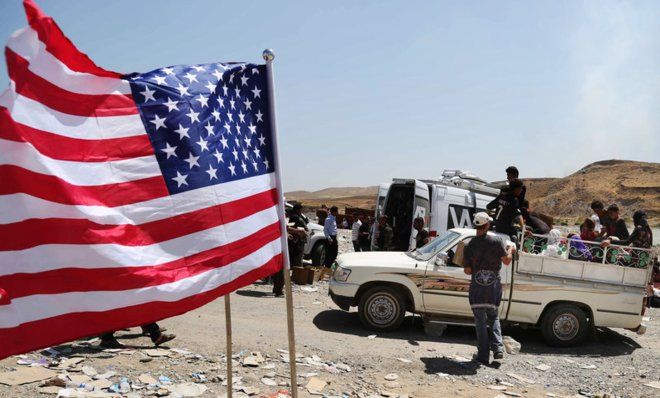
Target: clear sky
371	90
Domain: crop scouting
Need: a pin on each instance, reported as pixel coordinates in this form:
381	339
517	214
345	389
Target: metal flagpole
269	56
230	384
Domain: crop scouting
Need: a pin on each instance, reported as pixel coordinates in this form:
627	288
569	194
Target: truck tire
381	308
318	254
564	325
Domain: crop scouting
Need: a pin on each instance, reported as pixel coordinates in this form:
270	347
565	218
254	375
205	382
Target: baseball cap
481	218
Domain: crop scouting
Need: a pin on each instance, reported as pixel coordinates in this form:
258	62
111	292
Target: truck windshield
435	246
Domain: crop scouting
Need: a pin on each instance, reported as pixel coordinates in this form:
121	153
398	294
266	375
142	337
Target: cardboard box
299	276
458	256
312	275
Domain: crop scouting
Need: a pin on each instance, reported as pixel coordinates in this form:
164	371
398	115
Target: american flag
126	199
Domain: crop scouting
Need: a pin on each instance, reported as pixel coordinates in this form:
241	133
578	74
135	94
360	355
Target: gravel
336	352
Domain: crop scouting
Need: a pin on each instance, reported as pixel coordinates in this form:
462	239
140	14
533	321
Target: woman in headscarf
578	250
556	246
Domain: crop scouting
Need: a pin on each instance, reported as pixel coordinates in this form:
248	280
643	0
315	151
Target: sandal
164	338
111	344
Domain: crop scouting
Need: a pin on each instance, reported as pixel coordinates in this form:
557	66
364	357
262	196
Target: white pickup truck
565	297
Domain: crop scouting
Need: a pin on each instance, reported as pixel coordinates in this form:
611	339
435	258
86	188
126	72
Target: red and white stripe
90	240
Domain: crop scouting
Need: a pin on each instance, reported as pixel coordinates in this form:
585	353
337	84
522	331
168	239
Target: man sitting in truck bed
617	226
642	235
532	221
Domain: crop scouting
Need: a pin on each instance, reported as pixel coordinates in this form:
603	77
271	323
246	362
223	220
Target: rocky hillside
631	185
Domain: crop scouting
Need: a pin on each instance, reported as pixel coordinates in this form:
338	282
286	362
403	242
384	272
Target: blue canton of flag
208	124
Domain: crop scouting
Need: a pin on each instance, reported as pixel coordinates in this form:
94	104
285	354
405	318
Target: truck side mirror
441	259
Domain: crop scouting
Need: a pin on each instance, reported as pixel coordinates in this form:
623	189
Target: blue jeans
489	332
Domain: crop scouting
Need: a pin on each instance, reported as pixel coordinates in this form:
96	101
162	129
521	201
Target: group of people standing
361	233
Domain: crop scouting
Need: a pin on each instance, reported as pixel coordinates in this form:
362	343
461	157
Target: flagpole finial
269	55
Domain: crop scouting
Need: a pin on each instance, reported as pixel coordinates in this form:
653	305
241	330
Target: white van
446	203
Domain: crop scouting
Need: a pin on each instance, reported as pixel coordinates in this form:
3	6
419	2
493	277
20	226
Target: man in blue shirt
330	232
483	258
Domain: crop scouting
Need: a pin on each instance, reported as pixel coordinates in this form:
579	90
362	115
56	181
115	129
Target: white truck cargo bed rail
585	260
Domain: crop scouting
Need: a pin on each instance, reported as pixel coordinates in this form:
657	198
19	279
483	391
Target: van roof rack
458	179
463	174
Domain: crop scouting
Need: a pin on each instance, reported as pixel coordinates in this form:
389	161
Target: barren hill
333	193
630	184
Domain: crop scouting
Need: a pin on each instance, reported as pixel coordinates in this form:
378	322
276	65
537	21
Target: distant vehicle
316	245
564	297
445	203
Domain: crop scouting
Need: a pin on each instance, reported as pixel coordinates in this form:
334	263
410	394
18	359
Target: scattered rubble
653	384
521	378
389	365
511	346
25	375
315	386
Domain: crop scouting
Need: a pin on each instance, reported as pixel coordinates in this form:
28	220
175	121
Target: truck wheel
318	254
564	325
381	308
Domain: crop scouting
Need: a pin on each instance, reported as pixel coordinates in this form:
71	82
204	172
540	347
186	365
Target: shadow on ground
412	329
253	293
604	343
447	365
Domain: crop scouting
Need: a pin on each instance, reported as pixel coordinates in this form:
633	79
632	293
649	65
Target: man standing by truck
364	234
422	237
330	232
483	258
506	209
355	232
385	235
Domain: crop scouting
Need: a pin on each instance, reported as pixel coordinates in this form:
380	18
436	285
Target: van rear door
380	199
406	199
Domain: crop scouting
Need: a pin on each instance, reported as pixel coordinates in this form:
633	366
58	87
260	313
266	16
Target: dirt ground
334	348
349	361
